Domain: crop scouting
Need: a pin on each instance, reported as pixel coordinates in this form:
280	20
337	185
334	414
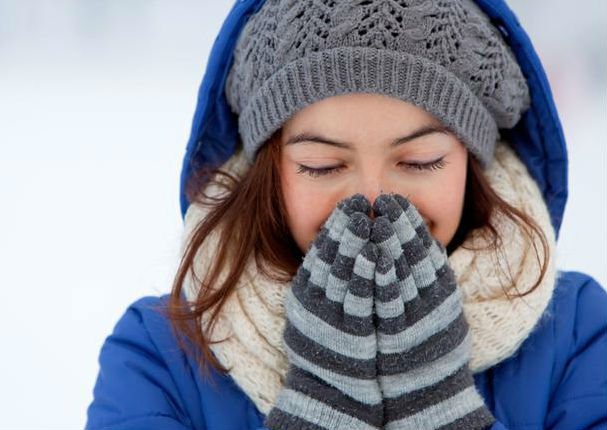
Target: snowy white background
96	100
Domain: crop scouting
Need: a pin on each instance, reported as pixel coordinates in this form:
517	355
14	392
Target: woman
377	249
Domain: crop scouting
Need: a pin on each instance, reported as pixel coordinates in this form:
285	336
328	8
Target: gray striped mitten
330	334
422	334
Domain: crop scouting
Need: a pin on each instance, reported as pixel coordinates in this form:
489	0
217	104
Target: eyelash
322	171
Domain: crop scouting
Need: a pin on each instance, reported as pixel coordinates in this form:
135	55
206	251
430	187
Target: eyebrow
423	131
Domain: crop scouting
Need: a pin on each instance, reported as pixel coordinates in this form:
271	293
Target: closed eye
323	171
431	165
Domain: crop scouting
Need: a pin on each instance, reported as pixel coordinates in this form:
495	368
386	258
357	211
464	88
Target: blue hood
537	138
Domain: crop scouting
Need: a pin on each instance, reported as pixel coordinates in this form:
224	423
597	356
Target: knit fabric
330	334
253	318
422	335
443	56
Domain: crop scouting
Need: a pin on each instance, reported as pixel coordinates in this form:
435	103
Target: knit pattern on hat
443	56
253	318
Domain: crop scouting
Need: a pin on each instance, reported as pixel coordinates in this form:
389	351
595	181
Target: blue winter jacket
557	379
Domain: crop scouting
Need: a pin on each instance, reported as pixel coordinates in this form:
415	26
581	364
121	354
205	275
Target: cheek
307	205
443	205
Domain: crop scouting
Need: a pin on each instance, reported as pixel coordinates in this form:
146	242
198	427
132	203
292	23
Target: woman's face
370	144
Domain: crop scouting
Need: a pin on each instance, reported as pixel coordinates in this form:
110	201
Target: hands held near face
375	332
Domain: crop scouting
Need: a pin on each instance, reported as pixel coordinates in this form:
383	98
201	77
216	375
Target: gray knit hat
442	56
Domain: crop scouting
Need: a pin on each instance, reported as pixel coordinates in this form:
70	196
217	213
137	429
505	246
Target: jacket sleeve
134	388
579	400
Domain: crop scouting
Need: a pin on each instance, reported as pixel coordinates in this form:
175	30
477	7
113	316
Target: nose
371	199
371	187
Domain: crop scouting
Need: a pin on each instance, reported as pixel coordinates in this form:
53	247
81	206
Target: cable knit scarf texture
253	318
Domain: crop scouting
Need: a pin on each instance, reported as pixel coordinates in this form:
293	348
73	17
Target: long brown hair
251	213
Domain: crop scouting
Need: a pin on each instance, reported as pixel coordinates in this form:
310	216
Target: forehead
358	120
358	114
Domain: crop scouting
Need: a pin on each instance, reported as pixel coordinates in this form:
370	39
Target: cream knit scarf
253	317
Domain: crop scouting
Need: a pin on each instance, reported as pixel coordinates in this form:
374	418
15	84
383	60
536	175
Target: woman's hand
330	336
423	337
